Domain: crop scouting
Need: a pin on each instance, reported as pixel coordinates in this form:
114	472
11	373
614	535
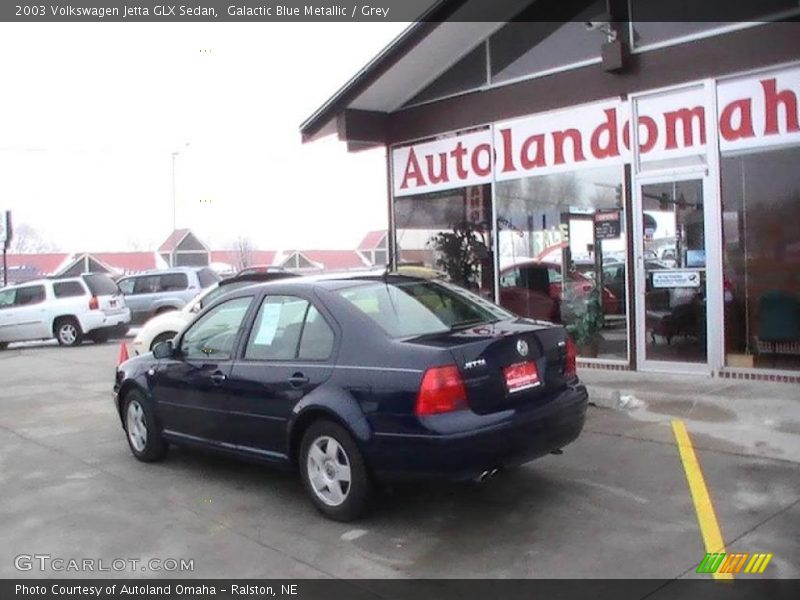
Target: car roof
25	284
532	263
152	272
329	281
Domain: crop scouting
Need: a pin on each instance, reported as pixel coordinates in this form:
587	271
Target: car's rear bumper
98	321
466	445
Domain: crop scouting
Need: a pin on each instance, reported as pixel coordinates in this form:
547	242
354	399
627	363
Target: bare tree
26	240
244	250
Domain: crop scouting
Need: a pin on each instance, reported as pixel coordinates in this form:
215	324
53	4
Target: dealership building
673	246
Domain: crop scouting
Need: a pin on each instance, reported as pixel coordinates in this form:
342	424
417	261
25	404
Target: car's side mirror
163	350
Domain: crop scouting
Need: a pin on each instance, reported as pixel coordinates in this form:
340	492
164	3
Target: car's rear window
101	285
68	289
414	308
207	277
220	291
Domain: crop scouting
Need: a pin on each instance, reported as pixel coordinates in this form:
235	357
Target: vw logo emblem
522	347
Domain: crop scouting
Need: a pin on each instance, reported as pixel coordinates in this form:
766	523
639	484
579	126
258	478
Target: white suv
67	309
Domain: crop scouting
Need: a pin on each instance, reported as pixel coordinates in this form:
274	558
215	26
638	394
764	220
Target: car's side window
554	275
317	340
68	289
7	298
148	284
126	286
212	336
510	279
277	329
172	282
29	295
207	278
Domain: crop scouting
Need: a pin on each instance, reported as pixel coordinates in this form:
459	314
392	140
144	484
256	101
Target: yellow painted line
706	516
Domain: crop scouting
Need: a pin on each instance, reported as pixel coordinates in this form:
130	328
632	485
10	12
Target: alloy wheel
136	426
67	333
329	470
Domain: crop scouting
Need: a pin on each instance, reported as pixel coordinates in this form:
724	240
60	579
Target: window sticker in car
268	326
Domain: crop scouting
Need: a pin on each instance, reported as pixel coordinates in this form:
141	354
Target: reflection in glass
448	232
563	255
675	271
761	259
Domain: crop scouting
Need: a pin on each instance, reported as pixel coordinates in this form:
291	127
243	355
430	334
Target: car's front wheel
333	471
141	428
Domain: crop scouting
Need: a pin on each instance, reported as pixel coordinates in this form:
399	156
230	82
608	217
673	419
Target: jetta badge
522	347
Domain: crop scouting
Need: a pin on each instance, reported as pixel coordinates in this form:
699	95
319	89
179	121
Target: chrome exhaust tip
487	475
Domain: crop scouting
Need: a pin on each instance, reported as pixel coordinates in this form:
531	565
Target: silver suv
68	309
155	292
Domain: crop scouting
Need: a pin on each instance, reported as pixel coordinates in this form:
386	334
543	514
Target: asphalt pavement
615	504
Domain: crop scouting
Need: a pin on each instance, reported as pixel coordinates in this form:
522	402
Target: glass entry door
671	274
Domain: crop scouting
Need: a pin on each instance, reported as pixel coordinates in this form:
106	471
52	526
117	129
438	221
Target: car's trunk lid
492	360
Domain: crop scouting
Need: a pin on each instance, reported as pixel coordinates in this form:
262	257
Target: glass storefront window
562	246
449	232
760	198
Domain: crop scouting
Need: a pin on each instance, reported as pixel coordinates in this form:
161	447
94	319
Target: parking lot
615	504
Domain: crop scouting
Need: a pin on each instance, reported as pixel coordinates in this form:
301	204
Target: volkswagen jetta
356	381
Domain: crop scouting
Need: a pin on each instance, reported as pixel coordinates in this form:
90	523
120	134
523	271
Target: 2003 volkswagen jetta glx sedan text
357	381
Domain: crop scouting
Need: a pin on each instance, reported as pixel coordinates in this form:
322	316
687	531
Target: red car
533	289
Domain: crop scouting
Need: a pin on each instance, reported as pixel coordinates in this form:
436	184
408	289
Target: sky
91	113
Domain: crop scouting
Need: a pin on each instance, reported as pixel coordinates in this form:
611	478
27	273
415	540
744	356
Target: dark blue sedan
357	380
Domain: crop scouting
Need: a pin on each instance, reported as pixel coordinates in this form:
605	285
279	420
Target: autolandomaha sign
752	112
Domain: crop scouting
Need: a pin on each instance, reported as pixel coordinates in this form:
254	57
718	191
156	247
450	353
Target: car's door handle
298	379
218	377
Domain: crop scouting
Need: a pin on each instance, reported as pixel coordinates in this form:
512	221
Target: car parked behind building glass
156	292
67	309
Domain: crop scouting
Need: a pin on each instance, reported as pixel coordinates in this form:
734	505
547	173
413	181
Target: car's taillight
571	359
442	390
94	303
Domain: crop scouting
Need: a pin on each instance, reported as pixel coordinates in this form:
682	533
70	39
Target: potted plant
584	318
459	253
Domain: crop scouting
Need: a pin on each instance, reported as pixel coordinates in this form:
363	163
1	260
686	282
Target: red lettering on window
559	137
477	168
458	153
441	176
412	171
772	100
685	116
744	129
609	127
652	134
538	159
508	151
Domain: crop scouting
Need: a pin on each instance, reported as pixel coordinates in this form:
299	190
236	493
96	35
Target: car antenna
386	272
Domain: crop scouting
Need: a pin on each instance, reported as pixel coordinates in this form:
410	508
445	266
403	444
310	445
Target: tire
141	429
98	338
68	332
3	345
162	337
322	468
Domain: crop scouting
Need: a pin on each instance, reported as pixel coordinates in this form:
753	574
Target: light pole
174	204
